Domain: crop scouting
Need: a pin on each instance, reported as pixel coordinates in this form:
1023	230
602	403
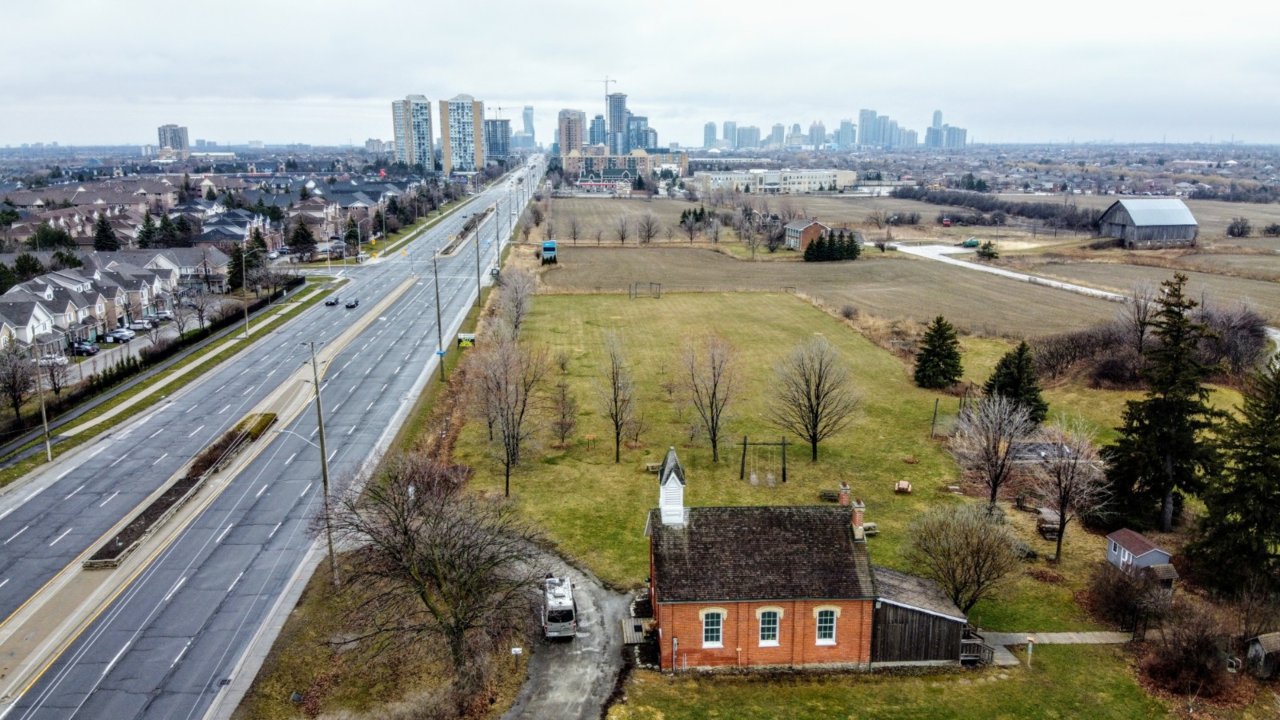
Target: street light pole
324	465
44	416
435	273
244	281
495	222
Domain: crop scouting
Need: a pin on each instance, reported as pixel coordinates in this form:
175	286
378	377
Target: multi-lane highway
168	644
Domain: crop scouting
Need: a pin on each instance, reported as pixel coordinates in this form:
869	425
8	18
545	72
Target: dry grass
885	285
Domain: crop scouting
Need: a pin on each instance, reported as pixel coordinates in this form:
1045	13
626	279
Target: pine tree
1165	446
811	251
1015	379
104	238
167	234
1241	530
236	270
147	233
301	241
938	361
855	248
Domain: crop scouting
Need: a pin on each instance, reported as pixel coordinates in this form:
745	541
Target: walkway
1001	641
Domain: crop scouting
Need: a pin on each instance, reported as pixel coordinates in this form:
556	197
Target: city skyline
1139	77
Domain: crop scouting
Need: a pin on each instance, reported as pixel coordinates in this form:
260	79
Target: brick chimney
859	509
844	496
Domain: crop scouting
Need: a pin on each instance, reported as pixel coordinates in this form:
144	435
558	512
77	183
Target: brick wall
797	634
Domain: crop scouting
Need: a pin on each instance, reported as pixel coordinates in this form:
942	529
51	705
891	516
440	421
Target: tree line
1057	215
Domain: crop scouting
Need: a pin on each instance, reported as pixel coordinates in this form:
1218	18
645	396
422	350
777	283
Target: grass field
595	511
885	285
1212	215
1064	682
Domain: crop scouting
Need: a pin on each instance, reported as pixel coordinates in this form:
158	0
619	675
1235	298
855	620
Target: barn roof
1157	211
915	592
759	553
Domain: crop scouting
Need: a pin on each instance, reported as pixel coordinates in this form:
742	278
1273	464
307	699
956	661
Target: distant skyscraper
616	115
937	119
637	131
817	134
174	137
572	129
461	134
778	137
845	135
497	139
748	137
599	134
411	122
528	123
709	135
867	128
731	133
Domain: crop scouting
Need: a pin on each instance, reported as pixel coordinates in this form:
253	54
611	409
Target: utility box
549	252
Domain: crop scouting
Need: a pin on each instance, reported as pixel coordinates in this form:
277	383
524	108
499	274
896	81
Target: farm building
1263	655
1150	223
783	587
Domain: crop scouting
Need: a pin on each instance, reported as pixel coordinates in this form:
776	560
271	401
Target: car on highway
52	360
352	303
332	301
84	348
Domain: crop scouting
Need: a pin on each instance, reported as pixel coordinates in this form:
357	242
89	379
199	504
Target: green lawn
1064	682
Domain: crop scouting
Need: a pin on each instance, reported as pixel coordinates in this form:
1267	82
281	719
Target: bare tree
17	376
669	232
599	235
153	332
616	392
525	229
621	231
713	229
750	237
711	384
813	397
565	408
575	229
203	304
548	230
432	560
1136	314
1070	475
647	228
536	214
182	317
56	376
987	437
690	227
510	374
877	217
516	298
963	550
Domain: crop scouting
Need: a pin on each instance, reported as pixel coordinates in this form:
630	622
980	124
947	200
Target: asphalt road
165	646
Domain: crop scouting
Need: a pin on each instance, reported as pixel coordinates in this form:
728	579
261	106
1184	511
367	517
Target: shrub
1271	230
1122	599
1188	657
848	312
1239	227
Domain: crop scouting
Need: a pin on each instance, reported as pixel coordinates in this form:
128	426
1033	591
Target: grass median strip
144	395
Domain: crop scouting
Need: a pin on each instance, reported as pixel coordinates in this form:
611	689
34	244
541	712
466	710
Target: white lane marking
4	582
335	452
367	370
73	492
242	372
370	406
193	432
144	420
335	408
29	497
261	490
351	430
193	407
247	391
397	372
180	654
325	385
273	372
273	531
407	355
117	460
384	387
113	495
64	474
15	535
152	435
353	389
222	387
223	534
291	457
224	409
305	489
114	660
344	365
64	534
97	452
174	589
235	582
159	459
5	514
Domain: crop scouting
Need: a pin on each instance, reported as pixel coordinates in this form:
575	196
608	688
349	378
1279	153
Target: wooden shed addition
915	622
1150	223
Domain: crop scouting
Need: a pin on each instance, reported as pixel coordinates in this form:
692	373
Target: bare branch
964	550
616	392
986	439
712	384
813	397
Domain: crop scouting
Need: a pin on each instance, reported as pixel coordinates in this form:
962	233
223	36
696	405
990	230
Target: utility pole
44	416
435	274
495	222
324	465
244	281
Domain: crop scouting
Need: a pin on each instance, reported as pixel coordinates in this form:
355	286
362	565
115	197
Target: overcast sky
88	72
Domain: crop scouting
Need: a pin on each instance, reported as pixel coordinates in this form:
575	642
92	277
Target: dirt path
571	680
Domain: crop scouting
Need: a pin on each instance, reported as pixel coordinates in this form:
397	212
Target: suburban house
1150	223
784	586
1133	553
799	233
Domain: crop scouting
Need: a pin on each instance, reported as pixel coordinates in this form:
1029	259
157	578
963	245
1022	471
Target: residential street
572	679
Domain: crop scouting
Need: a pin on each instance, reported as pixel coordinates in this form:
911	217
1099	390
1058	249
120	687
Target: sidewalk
1000	642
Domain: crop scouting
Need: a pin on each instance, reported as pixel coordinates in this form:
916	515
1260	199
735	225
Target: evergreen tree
938	361
8	278
236	270
104	238
1015	379
1241	531
184	231
26	266
167	234
811	251
147	233
257	243
1165	446
50	238
855	249
301	241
